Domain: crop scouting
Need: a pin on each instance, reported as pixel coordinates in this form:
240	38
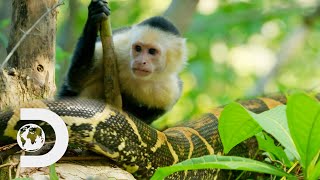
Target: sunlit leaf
315	174
236	125
220	162
275	123
303	114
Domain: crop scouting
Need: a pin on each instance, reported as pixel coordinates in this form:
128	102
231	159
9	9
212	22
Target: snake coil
132	144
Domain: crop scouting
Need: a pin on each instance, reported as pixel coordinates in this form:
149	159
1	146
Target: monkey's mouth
140	72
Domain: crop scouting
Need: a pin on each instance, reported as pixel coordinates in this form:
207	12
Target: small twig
19	168
38	34
7	164
10	170
294	165
7	147
50	142
11	165
61	2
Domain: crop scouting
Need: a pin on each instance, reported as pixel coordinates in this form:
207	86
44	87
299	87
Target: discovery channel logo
31	137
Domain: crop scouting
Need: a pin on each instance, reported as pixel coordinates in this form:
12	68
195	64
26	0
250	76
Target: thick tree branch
111	77
180	12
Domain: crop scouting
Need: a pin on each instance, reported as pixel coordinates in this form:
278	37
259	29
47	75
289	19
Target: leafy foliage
304	124
295	126
222	66
266	143
230	47
275	123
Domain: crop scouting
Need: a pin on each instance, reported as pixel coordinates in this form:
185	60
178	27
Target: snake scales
133	145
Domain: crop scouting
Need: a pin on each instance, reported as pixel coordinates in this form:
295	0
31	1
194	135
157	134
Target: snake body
132	144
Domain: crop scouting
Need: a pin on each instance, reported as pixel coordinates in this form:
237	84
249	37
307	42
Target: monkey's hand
98	11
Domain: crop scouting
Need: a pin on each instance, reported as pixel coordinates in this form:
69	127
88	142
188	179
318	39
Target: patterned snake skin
133	145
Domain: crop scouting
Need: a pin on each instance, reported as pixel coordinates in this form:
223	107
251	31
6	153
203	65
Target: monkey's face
146	60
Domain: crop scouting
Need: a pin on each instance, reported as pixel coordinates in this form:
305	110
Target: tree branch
111	76
61	2
180	12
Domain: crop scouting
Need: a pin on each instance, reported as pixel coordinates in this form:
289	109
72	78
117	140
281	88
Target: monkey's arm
82	60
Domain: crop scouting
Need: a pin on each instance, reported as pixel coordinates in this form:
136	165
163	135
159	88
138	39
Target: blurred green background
232	45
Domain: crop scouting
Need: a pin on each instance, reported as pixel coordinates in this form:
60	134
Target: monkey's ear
177	55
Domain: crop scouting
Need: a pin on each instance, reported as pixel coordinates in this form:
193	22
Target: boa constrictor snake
132	144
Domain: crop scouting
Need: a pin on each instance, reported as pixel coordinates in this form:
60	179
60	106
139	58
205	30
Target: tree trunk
5	9
29	74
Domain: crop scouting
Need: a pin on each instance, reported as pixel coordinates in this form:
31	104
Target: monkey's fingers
99	7
98	12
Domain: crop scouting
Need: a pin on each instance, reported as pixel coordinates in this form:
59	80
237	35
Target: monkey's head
157	49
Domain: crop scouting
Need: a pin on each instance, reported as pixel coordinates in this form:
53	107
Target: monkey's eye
152	51
137	48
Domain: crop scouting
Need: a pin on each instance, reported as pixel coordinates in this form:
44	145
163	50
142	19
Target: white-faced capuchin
150	56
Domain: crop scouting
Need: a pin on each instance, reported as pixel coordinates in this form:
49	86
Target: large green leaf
304	124
266	143
236	125
275	123
220	162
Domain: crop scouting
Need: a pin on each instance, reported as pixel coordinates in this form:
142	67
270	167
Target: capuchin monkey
149	56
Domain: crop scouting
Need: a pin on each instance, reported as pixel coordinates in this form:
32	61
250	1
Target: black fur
162	24
82	59
141	111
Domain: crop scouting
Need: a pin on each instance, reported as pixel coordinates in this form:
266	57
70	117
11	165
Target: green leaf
266	143
275	123
220	162
53	173
314	168
316	173
304	124
236	125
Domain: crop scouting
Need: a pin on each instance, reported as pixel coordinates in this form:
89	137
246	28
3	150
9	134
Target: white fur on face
161	89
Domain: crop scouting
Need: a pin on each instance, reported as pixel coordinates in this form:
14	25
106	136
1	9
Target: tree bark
29	74
180	12
5	9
